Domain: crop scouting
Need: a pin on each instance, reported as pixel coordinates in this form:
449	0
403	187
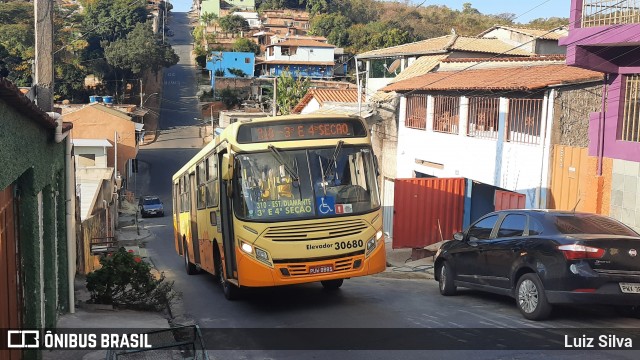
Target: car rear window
575	224
151	201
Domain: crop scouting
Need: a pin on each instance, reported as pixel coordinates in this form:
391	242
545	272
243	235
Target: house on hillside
536	41
37	215
495	124
231	63
308	58
98	121
215	6
381	66
317	99
293	22
604	36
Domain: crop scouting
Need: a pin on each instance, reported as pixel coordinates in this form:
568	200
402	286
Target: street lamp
147	99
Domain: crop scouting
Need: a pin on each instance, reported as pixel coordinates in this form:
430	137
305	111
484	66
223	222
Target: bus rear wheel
230	291
332	284
188	266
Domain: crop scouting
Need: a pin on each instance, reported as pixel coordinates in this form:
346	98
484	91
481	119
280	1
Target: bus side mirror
227	167
375	162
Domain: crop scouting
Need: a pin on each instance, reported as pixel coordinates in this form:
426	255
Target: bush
126	281
201	60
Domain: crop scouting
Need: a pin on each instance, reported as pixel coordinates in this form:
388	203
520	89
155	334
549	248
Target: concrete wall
625	193
92	123
35	164
303	54
312	106
98	151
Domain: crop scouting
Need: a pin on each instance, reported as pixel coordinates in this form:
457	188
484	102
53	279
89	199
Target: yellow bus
281	200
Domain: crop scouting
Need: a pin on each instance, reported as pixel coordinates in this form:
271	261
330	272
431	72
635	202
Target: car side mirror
458	236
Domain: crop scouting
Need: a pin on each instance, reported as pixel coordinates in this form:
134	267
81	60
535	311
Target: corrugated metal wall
387	208
427	210
509	200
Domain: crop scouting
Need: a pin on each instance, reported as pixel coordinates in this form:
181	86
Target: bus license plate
320	269
630	288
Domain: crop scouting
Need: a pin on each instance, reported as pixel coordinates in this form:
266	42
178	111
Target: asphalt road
372	302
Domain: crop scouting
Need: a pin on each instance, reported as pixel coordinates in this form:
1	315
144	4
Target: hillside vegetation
362	25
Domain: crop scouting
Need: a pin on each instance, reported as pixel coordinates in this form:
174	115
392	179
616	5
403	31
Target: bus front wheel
332	284
230	291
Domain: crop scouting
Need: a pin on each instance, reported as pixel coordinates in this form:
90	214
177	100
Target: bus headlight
371	244
247	248
379	235
262	255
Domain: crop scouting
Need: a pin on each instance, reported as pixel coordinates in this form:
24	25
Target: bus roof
229	134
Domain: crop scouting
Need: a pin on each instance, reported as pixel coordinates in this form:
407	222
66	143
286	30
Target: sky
526	10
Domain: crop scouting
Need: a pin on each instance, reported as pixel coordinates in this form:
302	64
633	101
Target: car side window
535	228
482	229
512	226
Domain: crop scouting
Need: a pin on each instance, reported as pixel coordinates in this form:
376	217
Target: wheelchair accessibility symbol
326	205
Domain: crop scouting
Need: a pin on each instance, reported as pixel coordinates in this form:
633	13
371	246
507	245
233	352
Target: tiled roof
302	42
13	97
537	33
486	45
420	66
432	45
445	44
548	58
516	78
296	62
327	95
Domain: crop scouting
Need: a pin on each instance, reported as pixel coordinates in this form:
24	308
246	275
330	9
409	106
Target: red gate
10	308
427	210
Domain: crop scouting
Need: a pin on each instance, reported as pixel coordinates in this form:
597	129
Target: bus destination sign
300	130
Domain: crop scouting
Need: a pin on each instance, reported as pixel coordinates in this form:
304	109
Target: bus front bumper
253	273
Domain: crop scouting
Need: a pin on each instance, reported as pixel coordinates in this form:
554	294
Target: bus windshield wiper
278	156
334	159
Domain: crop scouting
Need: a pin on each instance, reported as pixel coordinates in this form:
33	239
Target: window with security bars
610	12
524	121
446	117
483	117
631	114
416	112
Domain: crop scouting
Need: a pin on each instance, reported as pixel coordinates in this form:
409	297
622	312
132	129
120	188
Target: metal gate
10	308
387	207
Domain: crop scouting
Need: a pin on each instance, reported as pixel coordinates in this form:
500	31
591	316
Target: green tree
332	26
246	45
230	97
16	42
237	72
233	23
139	51
548	23
209	18
290	90
112	19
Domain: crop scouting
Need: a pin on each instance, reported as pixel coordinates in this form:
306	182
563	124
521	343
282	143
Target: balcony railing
610	12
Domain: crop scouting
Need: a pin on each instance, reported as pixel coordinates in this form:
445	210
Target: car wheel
188	266
332	284
445	279
230	291
531	299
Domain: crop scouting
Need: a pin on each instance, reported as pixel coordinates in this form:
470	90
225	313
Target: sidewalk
400	265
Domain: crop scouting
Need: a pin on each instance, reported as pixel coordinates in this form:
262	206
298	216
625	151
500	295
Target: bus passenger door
226	214
193	218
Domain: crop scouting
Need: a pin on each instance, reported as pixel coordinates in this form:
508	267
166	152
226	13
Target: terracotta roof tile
549	58
302	42
517	78
327	95
420	66
537	33
486	45
438	44
446	44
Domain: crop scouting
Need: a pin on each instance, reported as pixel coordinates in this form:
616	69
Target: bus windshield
282	185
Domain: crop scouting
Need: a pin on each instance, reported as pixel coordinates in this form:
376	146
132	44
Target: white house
92	172
540	42
302	57
491	125
252	18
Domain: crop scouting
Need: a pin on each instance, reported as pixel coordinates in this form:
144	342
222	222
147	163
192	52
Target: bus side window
212	183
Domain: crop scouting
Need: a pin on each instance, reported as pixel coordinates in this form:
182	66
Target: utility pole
141	93
164	15
43	10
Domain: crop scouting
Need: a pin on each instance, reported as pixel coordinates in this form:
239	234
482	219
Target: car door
467	256
501	252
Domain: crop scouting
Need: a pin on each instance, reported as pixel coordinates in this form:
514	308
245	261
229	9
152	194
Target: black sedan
545	257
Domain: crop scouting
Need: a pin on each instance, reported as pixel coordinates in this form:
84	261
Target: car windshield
153	201
332	181
591	224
